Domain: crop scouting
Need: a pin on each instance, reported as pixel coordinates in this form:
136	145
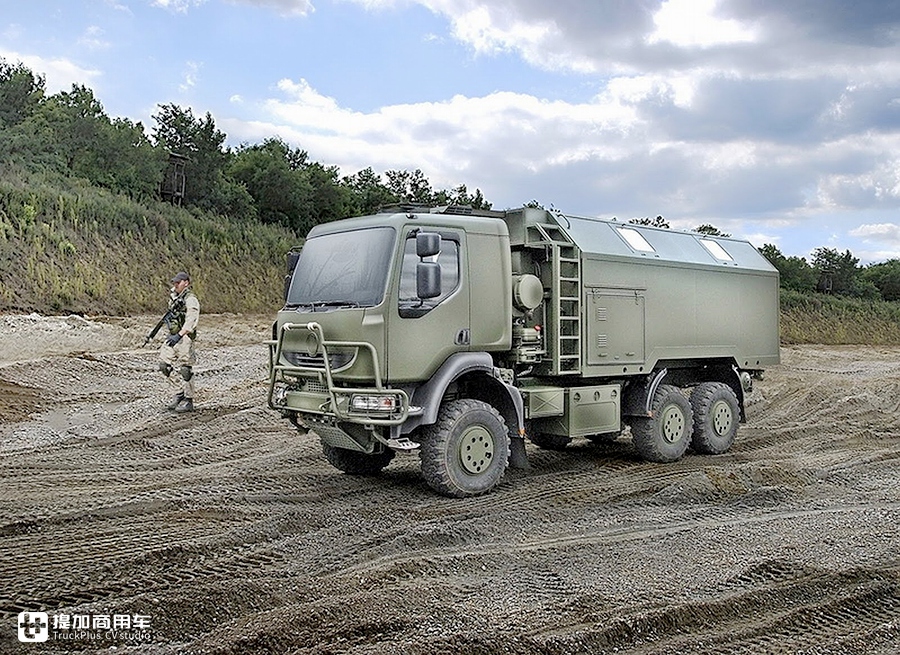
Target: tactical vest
178	312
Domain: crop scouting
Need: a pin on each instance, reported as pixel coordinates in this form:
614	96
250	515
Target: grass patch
69	247
837	320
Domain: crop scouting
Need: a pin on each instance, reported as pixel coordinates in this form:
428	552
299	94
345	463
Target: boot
186	406
176	400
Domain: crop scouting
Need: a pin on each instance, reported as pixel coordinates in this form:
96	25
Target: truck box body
652	295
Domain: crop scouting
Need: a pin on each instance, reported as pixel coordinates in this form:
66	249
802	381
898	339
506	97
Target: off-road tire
466	452
356	463
666	435
716	418
547	441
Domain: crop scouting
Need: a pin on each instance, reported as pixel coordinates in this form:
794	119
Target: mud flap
517	457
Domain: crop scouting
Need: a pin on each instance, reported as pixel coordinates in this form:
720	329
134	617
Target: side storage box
543	401
588	410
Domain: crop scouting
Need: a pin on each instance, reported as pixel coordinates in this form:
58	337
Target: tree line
69	133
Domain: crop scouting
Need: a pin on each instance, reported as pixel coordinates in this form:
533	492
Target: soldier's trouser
177	364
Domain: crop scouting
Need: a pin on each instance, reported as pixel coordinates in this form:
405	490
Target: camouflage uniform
177	360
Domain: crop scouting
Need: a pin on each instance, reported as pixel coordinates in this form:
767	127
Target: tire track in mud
152	466
221	545
230	514
486	507
792	611
730	519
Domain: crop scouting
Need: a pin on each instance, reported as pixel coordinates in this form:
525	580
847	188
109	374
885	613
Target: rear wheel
354	462
666	434
716	417
466	452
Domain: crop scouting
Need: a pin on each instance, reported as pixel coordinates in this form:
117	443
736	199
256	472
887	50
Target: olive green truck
460	333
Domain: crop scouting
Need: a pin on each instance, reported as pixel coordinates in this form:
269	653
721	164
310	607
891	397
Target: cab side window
411	306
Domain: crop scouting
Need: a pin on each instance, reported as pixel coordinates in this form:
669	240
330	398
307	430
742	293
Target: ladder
563	309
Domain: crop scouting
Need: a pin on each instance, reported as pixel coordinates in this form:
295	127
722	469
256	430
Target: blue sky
775	121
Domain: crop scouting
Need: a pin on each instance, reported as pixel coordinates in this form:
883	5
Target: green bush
70	247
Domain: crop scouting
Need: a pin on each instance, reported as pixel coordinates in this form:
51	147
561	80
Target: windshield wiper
319	305
334	303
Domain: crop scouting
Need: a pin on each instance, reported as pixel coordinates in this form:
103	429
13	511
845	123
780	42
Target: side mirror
428	279
428	244
291	260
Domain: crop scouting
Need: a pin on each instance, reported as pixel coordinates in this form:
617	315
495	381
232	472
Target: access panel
615	326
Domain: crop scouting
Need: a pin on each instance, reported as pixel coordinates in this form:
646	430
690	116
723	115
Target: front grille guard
334	405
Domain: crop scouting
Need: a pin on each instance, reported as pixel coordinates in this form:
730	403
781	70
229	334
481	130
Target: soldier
178	350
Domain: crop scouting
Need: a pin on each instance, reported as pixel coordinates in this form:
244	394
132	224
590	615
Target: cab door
423	332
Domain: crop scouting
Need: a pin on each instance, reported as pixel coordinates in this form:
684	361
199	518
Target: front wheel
356	463
466	452
666	434
716	417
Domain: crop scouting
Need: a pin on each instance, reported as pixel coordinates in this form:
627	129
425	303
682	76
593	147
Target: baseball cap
180	276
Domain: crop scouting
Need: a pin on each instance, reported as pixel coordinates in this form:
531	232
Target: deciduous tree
885	276
21	91
199	140
795	272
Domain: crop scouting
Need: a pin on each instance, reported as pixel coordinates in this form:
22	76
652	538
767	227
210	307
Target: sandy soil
227	532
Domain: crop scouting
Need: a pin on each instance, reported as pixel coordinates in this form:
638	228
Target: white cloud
876	256
191	73
460	130
180	6
12	32
608	152
759	239
118	6
92	39
283	7
692	23
60	74
884	232
494	27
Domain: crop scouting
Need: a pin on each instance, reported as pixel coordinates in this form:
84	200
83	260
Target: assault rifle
167	318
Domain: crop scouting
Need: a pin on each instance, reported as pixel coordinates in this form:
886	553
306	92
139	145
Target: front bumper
307	387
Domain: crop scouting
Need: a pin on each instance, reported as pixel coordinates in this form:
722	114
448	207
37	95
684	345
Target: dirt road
223	531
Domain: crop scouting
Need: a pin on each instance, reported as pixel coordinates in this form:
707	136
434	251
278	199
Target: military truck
460	333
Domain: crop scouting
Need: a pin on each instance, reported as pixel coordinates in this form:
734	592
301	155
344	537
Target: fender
638	395
428	396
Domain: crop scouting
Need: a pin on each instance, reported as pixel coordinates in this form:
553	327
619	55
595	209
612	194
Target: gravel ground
224	531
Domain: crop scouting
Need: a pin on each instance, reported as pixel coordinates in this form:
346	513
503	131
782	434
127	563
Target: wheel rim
672	424
722	418
476	449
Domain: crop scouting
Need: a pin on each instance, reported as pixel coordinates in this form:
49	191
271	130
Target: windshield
346	269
